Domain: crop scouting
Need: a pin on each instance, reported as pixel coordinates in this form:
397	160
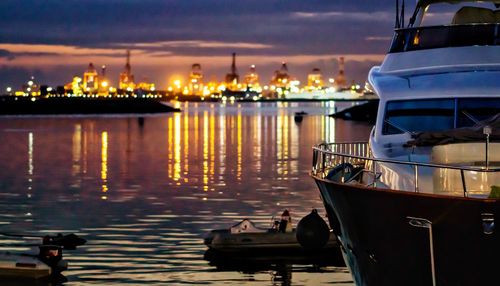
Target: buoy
312	231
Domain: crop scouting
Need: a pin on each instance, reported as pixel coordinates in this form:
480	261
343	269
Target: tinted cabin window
471	109
418	115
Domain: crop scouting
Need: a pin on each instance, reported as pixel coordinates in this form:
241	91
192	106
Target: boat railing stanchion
462	175
424	223
323	154
487	131
374	173
343	168
416	178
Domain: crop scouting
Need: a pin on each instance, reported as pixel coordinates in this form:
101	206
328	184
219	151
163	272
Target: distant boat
325	94
299	116
363	112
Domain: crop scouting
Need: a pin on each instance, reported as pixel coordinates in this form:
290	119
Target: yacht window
418	115
476	109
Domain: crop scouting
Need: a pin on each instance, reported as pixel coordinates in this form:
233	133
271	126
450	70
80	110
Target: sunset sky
54	40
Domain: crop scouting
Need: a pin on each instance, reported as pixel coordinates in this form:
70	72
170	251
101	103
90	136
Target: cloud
378	38
198	44
54	50
336	15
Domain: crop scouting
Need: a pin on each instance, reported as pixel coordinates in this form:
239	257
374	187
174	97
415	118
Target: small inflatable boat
246	237
47	263
18	265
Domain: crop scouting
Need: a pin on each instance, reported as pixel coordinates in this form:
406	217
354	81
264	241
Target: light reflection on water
143	191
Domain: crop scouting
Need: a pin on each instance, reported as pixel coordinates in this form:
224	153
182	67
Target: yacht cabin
442	73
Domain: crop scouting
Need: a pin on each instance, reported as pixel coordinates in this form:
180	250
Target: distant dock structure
340	80
315	80
126	77
252	79
232	78
90	79
196	80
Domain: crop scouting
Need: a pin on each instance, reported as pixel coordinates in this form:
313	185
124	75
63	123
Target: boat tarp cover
459	135
246	226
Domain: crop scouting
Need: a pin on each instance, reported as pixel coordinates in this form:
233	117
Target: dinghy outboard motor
51	250
312	231
69	241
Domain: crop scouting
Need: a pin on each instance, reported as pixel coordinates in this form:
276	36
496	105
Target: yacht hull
382	248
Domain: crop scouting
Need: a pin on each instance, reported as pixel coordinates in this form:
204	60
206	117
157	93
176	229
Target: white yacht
416	205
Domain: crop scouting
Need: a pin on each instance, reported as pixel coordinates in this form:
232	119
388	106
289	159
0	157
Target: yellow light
30	83
416	40
104	84
49	89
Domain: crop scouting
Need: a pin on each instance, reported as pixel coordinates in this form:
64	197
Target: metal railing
329	155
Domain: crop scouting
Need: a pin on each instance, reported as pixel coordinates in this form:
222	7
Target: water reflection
104	165
143	194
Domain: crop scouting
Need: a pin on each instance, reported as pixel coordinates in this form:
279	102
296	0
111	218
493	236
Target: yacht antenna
403	14
397	15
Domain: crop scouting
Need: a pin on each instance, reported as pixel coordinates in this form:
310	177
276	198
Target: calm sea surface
143	192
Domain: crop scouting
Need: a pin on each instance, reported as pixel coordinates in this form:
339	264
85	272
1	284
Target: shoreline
84	106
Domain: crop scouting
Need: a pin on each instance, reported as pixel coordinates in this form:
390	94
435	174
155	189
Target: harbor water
144	190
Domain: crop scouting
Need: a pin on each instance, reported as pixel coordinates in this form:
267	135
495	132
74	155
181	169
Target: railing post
416	178
323	158
462	175
315	161
424	223
343	169
374	174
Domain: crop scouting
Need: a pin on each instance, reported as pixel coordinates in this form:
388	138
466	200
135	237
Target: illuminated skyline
54	40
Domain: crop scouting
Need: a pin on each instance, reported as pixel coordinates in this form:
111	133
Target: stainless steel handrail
326	155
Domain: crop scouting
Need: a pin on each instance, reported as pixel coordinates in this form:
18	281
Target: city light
96	84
